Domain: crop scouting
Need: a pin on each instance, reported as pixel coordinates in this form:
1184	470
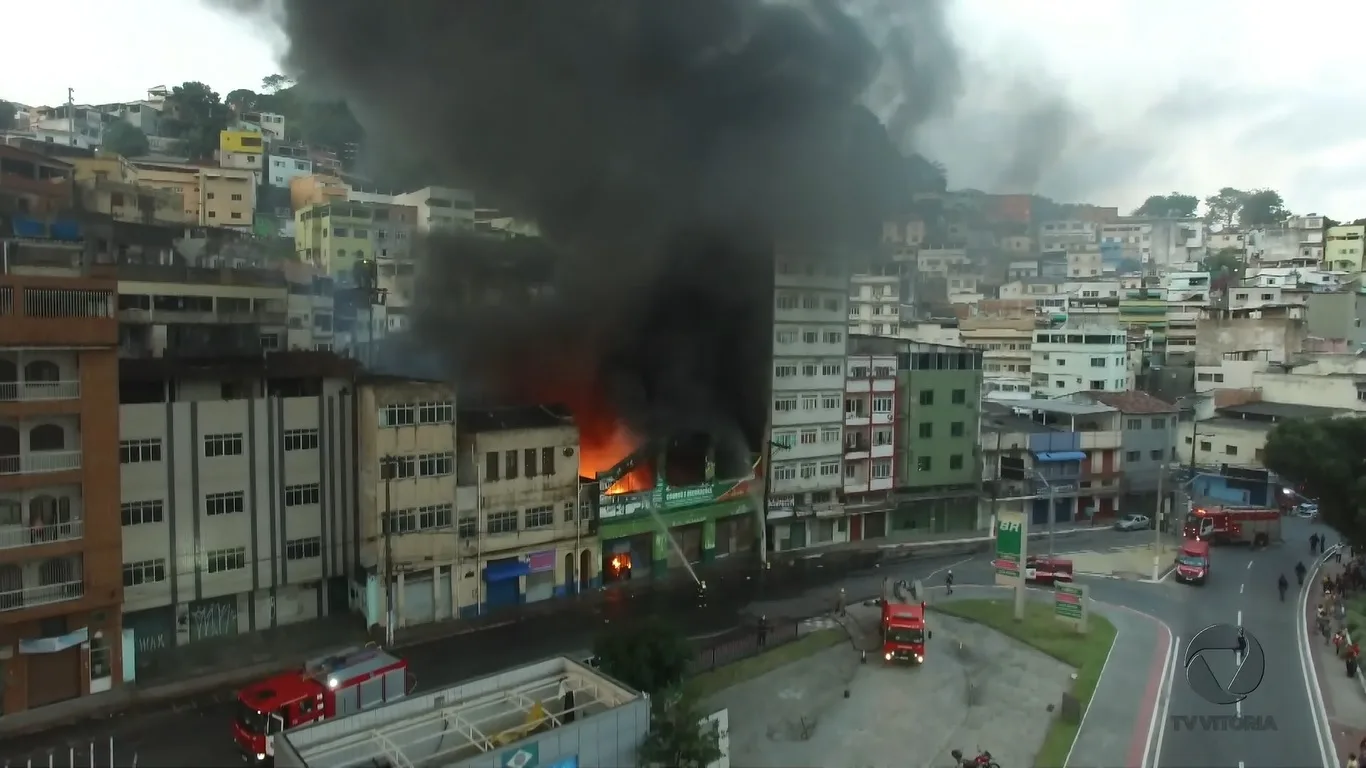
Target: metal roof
1061	406
453	724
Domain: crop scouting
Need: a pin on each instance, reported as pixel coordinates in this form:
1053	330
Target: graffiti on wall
214	617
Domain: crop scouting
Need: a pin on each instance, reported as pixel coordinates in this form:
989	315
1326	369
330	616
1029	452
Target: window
784	472
785	439
956	461
1230	450
882	405
397	467
301	439
882	437
468	527
808	470
400	521
435	413
922	463
1097	384
830	468
811	402
830	402
786	337
1159	423
141	512
784	404
832	369
397	416
808	437
957	429
304	549
223	445
1206	446
224	503
435	464
832	305
927	397
834	337
1258	454
491	465
547	461
881	470
1133	424
830	434
1155	455
502	522
528	462
236	196
223	560
540	517
809	369
144	572
302	494
810	337
926	430
139	451
510	465
434	516
1132	455
1097	362
960	397
784	371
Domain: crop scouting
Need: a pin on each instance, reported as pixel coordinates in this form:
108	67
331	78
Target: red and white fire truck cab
903	627
332	686
1258	526
1047	569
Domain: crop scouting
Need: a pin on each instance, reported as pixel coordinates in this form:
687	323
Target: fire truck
332	686
903	626
1258	526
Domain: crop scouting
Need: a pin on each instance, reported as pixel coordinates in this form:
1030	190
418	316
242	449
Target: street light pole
390	464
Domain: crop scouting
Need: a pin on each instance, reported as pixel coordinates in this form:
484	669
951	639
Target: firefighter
948	582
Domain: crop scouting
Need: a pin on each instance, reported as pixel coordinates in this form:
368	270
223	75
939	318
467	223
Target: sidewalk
1344	698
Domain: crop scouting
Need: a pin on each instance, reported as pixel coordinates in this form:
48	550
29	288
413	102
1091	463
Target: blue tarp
508	569
1060	456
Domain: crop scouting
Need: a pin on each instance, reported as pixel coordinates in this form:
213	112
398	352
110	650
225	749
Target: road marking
1249	565
1238	707
949	567
1240	764
1113	642
1240	618
1322	730
1240	588
1166	707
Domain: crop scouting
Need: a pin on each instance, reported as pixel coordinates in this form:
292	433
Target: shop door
797	534
53	677
419	604
502	592
153	635
856	527
540	577
874	525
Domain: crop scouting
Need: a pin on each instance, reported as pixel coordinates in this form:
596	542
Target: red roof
1133	401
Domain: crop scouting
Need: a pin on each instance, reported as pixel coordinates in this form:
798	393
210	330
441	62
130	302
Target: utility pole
71	115
1052	513
390	466
1157	524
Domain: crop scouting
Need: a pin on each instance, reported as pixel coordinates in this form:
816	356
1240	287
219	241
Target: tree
1223	208
1326	460
241	100
124	138
196	116
678	735
1227	261
276	83
1262	208
651	656
1173	206
7	118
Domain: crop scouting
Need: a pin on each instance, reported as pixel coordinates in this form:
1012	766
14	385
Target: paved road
1242	589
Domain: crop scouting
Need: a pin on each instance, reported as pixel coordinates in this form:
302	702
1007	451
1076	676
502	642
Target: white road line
1240	588
1240	764
1238	708
1322	730
949	567
1240	618
1166	707
1153	723
1249	565
1113	642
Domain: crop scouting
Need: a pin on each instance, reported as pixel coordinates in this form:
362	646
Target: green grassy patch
738	672
1356	615
1040	629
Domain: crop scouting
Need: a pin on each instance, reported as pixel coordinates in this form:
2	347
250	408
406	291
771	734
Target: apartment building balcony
38	462
33	584
46	311
1105	440
39	533
31	391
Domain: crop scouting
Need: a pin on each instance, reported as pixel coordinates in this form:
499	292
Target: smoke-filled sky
1160	94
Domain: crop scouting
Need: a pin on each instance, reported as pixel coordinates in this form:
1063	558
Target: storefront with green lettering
683	531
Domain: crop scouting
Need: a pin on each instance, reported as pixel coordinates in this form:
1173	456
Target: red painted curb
1138	744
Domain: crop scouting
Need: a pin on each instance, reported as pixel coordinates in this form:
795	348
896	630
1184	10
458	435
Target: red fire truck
1258	526
903	627
327	687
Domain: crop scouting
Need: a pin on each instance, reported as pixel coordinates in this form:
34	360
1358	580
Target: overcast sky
1159	95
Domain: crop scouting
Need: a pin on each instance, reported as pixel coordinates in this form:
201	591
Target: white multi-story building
285	163
1005	343
440	207
875	303
1068	236
1297	243
810	341
235	500
1080	358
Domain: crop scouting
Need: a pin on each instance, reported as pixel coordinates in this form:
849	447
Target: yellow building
245	142
315	189
212	197
1342	252
334	236
104	166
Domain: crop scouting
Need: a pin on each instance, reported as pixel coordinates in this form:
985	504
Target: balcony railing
40	461
46	594
13	536
25	391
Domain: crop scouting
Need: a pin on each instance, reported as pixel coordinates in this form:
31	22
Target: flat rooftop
462	721
1061	406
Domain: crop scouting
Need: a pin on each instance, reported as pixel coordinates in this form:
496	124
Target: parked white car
1134	523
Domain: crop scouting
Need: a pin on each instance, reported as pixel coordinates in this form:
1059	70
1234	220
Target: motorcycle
983	760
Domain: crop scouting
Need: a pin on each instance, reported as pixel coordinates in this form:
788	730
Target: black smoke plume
664	147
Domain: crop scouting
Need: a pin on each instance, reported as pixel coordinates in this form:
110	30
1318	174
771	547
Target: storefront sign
539	562
1069	604
1010	528
55	644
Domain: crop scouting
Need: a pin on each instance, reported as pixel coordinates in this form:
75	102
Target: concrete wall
1214	440
1147	443
1337	316
1281	339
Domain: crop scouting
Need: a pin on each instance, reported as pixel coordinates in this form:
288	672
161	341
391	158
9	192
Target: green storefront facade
660	528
